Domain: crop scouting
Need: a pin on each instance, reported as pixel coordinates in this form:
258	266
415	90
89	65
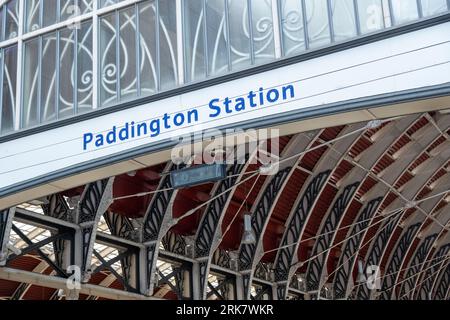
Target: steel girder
316	273
157	222
250	254
208	234
410	191
6	219
307	198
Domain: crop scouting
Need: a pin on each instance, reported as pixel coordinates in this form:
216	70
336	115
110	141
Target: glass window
370	13
108	57
50	16
404	11
66	73
317	23
195	40
128	67
432	7
168	44
148	48
344	21
33	12
217	37
84	68
262	31
8	107
292	25
30	114
12	19
239	34
48	82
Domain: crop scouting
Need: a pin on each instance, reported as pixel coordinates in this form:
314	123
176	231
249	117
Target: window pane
216	28
105	3
293	30
239	34
32	15
317	20
85	80
30	87
9	89
147	27
108	68
344	21
127	51
431	7
194	40
12	19
50	7
404	11
48	78
66	73
68	9
370	14
168	43
262	28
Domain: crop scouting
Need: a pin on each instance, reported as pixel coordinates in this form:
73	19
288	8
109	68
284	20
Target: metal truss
399	253
349	252
291	238
208	233
315	267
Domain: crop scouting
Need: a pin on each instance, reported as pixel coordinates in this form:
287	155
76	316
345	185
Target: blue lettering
214	107
87	138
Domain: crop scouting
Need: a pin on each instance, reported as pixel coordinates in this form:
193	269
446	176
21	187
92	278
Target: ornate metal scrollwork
346	262
94	201
174	243
397	258
119	225
157	210
57	208
415	265
443	285
292	234
377	250
428	279
315	267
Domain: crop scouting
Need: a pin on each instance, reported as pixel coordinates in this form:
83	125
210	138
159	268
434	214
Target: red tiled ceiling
362	144
437	143
400	143
418	125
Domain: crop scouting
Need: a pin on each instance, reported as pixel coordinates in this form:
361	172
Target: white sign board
413	60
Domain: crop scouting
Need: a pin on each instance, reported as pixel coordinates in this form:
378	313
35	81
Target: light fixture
249	236
196	175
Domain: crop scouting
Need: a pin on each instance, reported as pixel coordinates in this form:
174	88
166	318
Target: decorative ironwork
207	234
379	244
428	279
397	258
348	257
415	265
222	258
157	209
174	243
57	207
6	217
119	225
315	267
95	200
287	253
443	285
259	218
